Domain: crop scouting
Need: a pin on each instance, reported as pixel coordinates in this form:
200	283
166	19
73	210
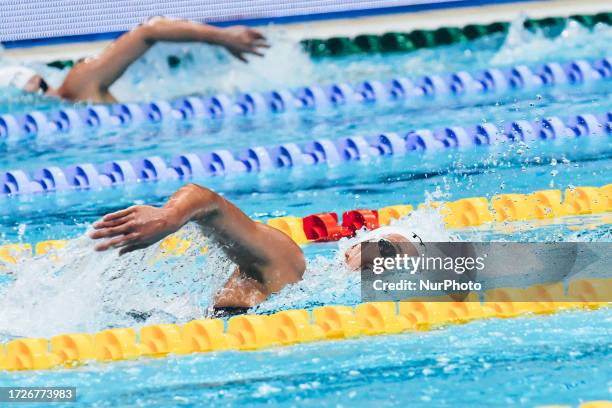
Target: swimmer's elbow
146	33
196	187
208	204
206	197
151	30
157	28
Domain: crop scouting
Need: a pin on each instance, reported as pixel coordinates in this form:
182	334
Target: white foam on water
77	289
524	46
206	69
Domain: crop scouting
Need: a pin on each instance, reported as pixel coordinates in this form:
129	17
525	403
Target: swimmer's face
36	84
388	245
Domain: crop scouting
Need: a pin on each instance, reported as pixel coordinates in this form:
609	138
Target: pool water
526	361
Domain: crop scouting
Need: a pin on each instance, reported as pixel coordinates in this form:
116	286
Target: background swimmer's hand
134	228
241	40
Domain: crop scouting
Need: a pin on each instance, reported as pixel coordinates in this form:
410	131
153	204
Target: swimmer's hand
240	40
134	228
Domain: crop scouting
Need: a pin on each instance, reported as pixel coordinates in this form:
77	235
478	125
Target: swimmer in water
90	79
266	259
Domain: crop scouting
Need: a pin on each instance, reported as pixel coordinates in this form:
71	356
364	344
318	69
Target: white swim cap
376	235
16	76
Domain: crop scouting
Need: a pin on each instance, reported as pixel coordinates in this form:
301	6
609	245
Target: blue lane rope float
322	151
492	80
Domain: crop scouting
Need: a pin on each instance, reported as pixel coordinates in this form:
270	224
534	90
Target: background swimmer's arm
267	259
104	70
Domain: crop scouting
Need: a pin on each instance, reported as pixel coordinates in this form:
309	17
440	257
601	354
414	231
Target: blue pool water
527	361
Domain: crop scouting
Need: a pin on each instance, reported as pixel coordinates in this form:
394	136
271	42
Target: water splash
206	69
78	289
525	46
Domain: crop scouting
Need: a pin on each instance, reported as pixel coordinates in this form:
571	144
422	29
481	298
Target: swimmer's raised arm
93	77
267	259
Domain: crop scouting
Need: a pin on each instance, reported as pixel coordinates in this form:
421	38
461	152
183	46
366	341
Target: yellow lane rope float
287	327
588	404
467	212
250	332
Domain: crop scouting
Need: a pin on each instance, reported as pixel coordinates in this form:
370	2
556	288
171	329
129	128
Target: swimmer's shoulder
81	84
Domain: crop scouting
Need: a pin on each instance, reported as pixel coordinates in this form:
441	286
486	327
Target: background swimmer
90	79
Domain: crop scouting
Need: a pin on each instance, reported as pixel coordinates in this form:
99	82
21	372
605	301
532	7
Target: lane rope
322	151
287	327
466	212
428	89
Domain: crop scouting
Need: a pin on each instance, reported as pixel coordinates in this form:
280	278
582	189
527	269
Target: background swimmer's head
23	78
389	243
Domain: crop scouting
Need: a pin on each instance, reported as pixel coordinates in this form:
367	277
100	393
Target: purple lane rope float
458	84
221	162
